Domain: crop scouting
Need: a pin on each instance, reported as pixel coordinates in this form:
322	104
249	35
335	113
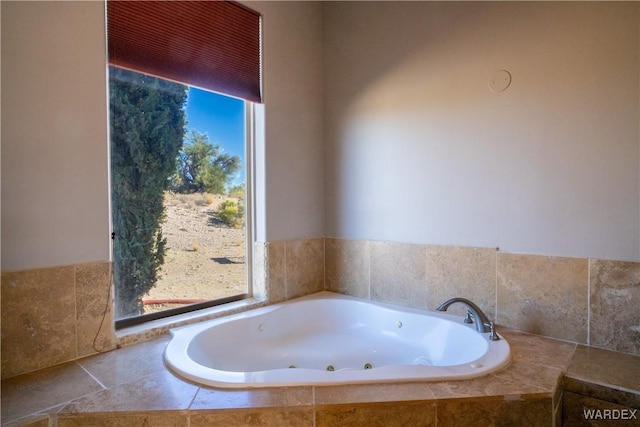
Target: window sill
156	328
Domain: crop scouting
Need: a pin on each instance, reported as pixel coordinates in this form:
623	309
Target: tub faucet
483	324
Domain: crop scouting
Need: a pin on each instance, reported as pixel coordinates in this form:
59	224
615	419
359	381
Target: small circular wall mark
499	81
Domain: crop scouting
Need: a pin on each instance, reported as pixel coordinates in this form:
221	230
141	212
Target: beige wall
291	162
418	149
54	134
55	212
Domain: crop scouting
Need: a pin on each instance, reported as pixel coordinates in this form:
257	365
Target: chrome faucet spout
483	324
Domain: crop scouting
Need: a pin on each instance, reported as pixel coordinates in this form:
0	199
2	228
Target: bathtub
329	339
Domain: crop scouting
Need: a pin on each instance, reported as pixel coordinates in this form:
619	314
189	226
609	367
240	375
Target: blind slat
214	45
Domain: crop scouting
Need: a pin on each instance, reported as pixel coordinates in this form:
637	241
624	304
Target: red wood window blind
213	45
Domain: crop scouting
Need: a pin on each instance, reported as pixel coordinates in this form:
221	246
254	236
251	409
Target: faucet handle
492	332
469	317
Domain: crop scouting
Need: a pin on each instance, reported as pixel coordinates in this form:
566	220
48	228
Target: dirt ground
205	259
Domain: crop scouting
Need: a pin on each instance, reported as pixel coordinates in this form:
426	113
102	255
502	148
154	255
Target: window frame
237	55
250	230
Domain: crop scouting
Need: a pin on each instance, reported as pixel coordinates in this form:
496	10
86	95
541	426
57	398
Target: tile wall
587	301
54	315
292	268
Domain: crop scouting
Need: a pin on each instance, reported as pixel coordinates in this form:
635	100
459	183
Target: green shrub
230	213
237	191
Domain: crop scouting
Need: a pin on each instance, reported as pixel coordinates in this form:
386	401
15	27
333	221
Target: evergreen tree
147	130
203	166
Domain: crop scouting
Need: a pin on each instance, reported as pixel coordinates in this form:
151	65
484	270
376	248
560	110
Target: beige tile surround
132	387
585	301
56	315
129	386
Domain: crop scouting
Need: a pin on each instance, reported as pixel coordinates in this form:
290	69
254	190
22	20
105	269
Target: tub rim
498	355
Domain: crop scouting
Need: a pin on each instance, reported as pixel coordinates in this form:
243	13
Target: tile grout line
589	301
436	414
285	272
369	271
64	404
193	399
313	403
75	309
324	264
495	287
91	375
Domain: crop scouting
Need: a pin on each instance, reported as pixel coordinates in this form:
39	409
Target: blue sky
221	118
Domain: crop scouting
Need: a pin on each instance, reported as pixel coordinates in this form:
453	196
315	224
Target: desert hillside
205	258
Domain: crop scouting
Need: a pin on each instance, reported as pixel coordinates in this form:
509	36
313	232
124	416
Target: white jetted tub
328	338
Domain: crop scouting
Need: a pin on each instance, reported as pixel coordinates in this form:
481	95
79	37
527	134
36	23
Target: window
179	156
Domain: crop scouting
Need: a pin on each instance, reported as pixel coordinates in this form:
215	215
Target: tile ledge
611	385
156	328
581	365
315	405
602	384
